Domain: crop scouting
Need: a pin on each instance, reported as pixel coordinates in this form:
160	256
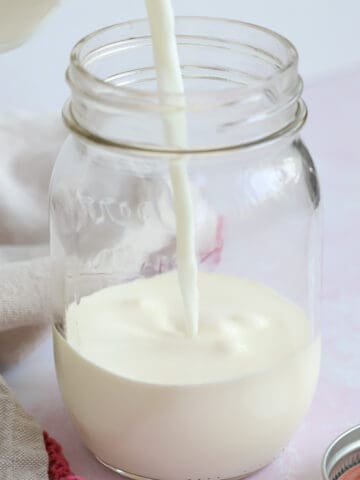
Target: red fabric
58	466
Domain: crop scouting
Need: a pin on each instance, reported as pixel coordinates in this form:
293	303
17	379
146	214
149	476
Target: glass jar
147	399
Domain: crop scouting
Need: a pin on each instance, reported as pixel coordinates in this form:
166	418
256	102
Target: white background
326	33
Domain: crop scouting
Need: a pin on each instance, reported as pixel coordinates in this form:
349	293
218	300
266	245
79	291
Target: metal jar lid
342	454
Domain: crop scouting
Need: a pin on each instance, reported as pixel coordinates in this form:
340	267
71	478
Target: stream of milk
170	85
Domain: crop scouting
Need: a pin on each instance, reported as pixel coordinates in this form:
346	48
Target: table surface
332	135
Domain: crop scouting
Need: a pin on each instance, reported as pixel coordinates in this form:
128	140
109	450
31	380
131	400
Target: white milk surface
151	400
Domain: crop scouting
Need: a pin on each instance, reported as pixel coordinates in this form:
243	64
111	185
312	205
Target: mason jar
148	400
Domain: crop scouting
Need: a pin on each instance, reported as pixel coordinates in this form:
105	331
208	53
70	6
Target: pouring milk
161	18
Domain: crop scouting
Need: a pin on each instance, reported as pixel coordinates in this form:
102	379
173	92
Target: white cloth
22	451
24	307
28	148
29	145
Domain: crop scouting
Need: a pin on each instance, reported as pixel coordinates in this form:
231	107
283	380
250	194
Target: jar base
134	476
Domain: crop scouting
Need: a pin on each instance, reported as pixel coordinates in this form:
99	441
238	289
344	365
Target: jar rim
290	130
261	100
225	93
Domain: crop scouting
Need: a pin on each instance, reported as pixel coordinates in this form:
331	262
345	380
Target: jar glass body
256	205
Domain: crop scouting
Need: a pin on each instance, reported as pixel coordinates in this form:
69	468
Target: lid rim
341	454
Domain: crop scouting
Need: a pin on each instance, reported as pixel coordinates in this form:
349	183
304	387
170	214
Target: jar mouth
243	75
83	55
